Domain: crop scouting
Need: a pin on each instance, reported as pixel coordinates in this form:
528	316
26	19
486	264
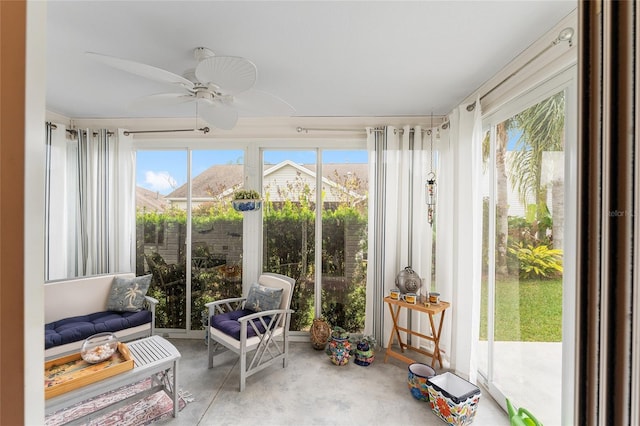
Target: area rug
150	409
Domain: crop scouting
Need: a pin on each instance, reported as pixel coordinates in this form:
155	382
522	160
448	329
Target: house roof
150	200
217	179
212	182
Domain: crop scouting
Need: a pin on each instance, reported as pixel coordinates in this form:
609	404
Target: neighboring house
150	201
340	182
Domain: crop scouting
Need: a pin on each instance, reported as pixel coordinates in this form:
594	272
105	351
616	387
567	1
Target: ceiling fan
219	85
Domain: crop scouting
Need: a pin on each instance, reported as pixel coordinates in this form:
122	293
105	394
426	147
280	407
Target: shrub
538	261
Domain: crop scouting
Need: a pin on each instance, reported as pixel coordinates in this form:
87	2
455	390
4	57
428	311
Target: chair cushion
262	298
127	294
78	328
228	323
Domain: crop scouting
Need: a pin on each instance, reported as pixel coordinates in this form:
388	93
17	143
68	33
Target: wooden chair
259	338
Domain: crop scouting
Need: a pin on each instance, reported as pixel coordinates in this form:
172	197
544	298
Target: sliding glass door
188	235
521	328
318	237
344	239
216	230
161	232
289	225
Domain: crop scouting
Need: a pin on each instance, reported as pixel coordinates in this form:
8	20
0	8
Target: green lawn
526	311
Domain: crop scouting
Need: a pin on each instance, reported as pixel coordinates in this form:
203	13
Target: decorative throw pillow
263	298
127	294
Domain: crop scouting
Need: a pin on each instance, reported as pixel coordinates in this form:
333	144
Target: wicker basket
320	332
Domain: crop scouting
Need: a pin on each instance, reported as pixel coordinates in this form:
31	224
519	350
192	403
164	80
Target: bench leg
176	405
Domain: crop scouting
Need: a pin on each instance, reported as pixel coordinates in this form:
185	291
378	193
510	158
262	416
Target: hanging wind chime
431	184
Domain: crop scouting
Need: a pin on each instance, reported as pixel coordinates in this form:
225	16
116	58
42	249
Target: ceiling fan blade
217	114
161	100
257	102
231	74
141	69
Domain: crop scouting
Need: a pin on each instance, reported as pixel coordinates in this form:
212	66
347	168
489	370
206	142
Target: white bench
84	296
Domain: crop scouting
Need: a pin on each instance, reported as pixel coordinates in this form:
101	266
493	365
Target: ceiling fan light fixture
203	93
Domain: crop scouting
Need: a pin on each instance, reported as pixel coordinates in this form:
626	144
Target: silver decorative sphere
408	281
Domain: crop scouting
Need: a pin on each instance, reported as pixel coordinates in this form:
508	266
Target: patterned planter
339	351
246	205
418	380
364	354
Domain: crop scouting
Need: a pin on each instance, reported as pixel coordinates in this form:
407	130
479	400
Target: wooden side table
395	307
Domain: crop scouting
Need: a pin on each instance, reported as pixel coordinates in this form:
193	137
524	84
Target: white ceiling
325	58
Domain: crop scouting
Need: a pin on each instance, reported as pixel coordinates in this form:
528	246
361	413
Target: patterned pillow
127	294
263	298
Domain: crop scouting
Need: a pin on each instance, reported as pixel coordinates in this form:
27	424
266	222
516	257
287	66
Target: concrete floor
310	391
530	373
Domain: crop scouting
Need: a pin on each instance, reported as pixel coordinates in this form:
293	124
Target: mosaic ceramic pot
364	354
339	350
419	374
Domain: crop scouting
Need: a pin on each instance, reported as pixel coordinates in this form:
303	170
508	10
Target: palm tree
502	204
542	128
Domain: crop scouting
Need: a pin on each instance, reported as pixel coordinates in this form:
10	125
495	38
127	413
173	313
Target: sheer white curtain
90	203
399	233
59	179
461	261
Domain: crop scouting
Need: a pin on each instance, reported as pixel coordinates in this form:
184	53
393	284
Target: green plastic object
521	416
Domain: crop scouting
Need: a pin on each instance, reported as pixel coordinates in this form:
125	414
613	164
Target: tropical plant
542	127
537	261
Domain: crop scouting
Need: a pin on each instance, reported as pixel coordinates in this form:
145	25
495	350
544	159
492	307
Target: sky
163	171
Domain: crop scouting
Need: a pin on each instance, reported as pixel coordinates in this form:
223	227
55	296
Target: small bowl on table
99	347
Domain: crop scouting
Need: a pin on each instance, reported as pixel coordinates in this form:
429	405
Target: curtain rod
565	35
130	132
444	125
74	131
204	130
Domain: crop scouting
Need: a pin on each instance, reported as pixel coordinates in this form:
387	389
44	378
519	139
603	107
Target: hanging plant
246	194
245	200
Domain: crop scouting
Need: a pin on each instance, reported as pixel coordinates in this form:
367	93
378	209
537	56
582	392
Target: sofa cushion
127	294
78	328
228	323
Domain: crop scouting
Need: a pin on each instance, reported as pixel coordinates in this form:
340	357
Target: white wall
34	208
